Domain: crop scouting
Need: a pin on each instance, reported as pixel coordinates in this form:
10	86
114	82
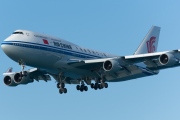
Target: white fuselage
55	55
47	52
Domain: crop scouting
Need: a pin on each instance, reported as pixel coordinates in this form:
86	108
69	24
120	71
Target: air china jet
69	63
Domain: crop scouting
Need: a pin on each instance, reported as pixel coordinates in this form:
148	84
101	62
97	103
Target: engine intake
167	59
20	78
9	81
111	65
108	65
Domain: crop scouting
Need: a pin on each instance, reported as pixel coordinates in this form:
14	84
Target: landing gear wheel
60	91
85	88
65	90
58	85
62	85
78	87
105	85
92	85
81	89
99	86
95	87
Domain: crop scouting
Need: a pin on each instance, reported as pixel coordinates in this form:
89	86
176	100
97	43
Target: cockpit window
17	33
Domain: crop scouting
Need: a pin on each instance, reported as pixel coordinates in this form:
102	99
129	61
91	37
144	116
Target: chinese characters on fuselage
62	45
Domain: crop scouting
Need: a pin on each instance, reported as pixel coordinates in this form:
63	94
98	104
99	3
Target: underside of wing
38	74
133	66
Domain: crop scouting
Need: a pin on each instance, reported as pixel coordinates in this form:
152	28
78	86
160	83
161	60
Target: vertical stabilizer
150	42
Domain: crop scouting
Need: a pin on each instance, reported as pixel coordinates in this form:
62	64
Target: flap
38	74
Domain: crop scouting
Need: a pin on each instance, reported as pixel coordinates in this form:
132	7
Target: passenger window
81	49
89	51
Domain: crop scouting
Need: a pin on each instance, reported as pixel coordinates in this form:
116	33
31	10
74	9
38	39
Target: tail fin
150	42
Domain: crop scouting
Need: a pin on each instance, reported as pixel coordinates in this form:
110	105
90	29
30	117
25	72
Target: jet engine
8	80
111	65
20	78
167	59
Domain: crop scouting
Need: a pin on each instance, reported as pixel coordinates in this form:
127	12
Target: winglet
150	42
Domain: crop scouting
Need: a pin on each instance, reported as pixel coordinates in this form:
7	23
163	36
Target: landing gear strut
82	87
22	64
61	85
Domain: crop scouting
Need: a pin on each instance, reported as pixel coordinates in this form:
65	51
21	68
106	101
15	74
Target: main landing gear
62	88
82	87
99	85
61	84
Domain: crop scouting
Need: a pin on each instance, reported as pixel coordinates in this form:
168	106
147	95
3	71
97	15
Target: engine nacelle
9	81
111	65
20	78
167	59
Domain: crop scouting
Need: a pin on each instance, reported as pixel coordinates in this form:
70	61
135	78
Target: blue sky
113	26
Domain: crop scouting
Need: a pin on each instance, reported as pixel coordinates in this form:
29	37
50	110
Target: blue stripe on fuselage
50	48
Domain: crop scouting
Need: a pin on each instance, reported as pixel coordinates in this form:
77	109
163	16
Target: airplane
69	63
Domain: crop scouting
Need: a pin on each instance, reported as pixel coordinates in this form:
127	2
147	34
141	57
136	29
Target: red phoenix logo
150	45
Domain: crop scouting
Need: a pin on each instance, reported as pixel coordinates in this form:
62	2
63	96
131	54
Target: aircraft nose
4	47
7	49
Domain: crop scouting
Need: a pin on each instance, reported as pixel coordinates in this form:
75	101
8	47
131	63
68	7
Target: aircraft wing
156	61
15	78
145	53
151	60
87	64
